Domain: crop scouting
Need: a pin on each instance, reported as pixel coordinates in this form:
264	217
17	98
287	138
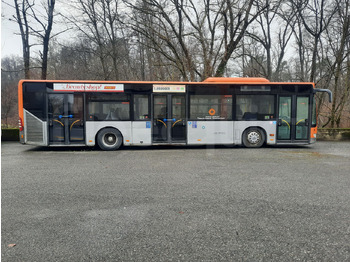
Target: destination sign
169	88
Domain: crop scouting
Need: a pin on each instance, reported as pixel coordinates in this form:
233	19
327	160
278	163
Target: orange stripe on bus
20	100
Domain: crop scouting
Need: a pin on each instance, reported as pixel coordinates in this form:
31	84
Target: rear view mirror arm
325	90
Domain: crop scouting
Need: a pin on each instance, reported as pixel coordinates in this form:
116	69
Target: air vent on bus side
34	130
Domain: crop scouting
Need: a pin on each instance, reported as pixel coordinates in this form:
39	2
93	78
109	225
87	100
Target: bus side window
252	114
141	107
34	99
218	107
113	114
255	107
239	113
108	107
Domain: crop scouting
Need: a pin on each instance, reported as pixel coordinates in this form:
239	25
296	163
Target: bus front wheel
109	139
253	137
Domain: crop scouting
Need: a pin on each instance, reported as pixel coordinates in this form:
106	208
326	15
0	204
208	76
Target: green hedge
9	134
333	134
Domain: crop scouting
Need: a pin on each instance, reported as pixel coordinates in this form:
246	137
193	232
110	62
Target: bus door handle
306	122
67	116
279	122
171	119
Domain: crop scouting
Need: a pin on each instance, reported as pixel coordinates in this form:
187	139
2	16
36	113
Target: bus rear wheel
109	139
253	137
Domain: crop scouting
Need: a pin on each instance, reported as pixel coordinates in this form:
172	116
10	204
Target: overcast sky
10	42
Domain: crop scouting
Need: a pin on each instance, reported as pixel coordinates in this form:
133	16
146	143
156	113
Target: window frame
133	118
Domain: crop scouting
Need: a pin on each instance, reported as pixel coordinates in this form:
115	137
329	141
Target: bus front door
169	119
293	118
66	119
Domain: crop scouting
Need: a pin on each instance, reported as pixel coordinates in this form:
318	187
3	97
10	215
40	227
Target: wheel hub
110	139
254	137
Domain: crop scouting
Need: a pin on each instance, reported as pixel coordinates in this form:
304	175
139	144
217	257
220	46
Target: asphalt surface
176	203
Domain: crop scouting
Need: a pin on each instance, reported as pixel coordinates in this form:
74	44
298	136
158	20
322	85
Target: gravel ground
176	203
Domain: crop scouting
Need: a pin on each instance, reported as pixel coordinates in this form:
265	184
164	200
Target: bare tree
45	23
236	21
274	42
21	18
73	60
338	37
315	16
99	23
197	38
35	20
302	61
11	73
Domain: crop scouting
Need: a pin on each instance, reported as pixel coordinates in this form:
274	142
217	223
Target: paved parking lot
176	203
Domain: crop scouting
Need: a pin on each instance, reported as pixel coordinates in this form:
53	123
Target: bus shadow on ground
158	147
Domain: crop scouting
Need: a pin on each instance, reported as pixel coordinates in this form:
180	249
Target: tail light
20	124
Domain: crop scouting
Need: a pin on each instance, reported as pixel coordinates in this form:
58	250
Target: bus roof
208	81
236	80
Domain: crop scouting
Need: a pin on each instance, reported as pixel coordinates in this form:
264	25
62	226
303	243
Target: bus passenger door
169	118
160	117
56	123
66	118
178	116
76	118
293	118
302	120
284	118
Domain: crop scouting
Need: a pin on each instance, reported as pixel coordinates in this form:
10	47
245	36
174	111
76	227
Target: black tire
253	137
109	139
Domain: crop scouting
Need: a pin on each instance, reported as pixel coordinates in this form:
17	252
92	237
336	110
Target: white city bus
227	111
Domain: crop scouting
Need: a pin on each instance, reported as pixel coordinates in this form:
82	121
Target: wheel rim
110	139
254	137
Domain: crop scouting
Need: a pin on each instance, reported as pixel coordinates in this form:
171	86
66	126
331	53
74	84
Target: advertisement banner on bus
79	87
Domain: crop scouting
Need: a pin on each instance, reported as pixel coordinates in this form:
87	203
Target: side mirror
325	90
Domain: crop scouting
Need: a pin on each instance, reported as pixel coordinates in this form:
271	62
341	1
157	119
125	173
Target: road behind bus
176	203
